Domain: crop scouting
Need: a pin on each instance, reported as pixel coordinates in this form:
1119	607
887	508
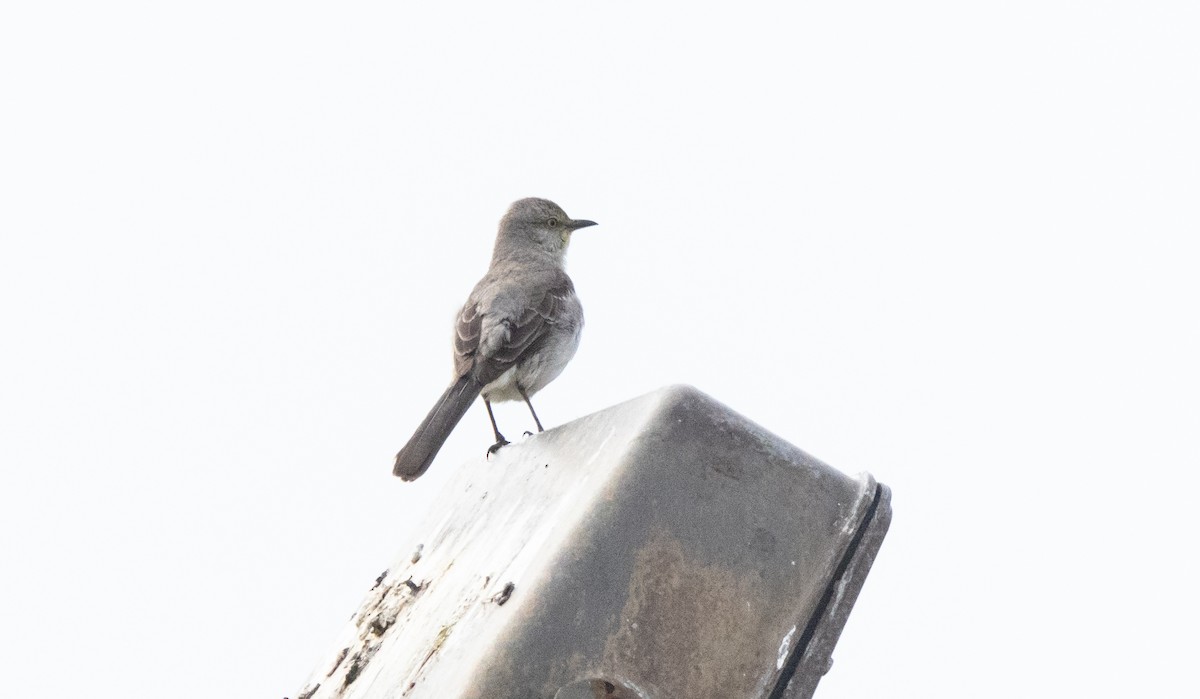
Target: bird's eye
552	222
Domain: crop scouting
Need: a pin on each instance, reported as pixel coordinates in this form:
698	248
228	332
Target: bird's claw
496	447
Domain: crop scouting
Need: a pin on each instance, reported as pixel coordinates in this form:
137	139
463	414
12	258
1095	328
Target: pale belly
536	371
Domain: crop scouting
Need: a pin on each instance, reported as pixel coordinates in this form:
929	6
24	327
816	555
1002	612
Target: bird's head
539	224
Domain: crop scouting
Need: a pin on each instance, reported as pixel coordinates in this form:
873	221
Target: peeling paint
784	647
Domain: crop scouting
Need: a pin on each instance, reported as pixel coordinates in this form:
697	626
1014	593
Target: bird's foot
528	433
502	442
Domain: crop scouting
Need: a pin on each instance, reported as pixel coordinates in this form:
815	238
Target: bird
516	332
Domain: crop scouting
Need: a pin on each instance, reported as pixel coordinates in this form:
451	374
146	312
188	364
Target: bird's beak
580	223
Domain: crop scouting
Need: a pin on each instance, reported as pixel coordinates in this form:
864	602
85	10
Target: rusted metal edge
812	655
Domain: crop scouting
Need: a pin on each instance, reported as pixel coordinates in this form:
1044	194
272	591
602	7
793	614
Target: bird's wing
488	341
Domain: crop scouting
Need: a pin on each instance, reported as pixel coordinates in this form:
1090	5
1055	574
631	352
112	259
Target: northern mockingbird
518	329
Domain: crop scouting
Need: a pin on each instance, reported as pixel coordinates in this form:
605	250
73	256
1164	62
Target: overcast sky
952	244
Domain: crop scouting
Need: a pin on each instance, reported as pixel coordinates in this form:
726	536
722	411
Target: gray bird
515	334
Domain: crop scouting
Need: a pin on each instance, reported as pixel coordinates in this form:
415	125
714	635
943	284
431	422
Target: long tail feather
416	456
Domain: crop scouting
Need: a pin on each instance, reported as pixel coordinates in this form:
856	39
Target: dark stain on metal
379	624
690	623
338	662
502	596
595	689
356	667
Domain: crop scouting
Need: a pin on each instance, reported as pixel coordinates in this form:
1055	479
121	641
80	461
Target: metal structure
664	548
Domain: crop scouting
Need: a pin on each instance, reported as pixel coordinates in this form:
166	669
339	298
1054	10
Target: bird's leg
500	440
531	412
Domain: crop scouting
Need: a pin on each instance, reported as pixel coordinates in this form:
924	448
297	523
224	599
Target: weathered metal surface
665	548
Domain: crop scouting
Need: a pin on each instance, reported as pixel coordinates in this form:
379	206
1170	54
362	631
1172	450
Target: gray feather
418	454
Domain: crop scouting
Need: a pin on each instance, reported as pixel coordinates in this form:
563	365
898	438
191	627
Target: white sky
954	244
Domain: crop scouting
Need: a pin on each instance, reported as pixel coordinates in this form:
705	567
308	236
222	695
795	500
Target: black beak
580	223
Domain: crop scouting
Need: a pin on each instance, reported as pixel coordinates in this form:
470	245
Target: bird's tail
416	456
